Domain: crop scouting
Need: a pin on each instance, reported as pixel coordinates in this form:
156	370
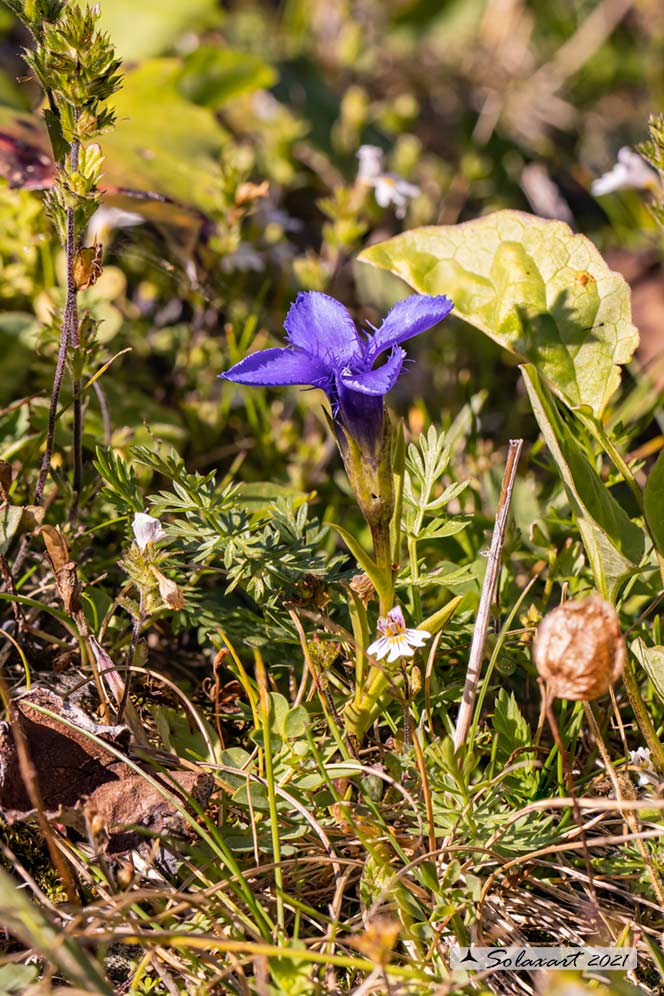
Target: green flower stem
69	339
360	714
358	619
71	318
643	719
614	454
414	576
372	479
265	715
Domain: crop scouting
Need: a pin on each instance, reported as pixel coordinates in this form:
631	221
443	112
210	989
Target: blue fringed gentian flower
326	350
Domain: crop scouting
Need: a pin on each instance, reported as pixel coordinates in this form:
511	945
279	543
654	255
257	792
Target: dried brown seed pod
579	649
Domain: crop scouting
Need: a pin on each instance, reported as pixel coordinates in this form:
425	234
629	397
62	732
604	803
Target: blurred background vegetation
247	123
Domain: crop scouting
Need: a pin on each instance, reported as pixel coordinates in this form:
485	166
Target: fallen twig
486	599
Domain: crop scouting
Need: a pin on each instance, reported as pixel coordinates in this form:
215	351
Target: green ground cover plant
321	389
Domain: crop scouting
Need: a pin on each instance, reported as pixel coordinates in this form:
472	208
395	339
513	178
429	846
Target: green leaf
653	503
254	791
180	734
368	565
151	27
651	660
278	713
17	978
213	76
538	290
15	519
511	729
614	544
174	153
432	624
59	144
291	974
296	723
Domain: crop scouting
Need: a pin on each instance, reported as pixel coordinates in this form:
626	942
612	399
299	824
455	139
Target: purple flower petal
278	368
375	382
323	328
408	318
362	415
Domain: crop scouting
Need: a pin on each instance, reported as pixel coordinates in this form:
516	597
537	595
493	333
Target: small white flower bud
631	172
147	529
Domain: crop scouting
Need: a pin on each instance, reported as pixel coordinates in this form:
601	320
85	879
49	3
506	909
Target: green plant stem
631	684
643	717
71	316
53	412
358	619
271	795
361	713
69	338
414	576
616	457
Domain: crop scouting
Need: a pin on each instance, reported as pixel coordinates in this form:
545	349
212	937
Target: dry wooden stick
486	599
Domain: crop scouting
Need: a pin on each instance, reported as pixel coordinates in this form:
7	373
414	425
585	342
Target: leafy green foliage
651	660
513	745
182	161
653	503
121	486
151	28
614	543
540	291
212	76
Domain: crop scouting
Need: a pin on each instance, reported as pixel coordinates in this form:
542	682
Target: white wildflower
147	529
396	640
631	172
372	163
641	760
107	219
388	187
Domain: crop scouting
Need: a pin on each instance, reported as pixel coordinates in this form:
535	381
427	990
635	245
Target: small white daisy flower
396	640
146	529
388	188
631	172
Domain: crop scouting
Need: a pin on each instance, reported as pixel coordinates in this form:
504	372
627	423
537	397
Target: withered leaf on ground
66	578
132	802
69	765
74	772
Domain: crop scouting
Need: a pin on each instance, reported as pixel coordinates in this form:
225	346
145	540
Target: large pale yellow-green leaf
538	290
151	27
162	143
